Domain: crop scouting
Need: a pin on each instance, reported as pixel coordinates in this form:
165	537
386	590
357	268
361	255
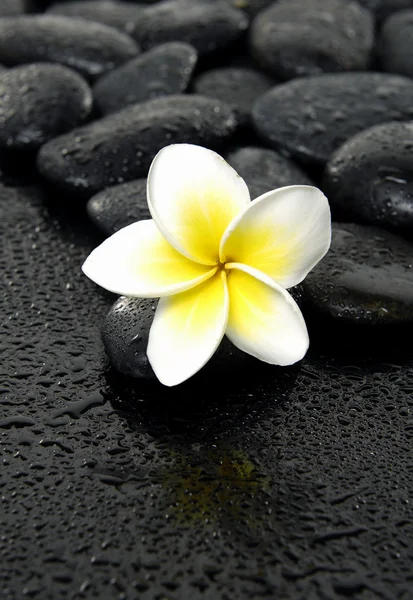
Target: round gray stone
119	206
39	102
292	38
365	279
121	146
162	71
370	177
88	47
311	117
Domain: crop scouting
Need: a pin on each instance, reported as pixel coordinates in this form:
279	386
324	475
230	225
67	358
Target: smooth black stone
207	26
121	146
312	116
251	7
125	335
165	70
90	48
121	15
264	170
370	178
39	102
383	8
294	38
118	206
238	87
396	43
365	279
10	8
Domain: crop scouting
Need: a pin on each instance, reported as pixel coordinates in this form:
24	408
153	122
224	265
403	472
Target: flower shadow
206	440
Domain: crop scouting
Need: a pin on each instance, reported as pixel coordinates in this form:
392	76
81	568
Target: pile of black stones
316	92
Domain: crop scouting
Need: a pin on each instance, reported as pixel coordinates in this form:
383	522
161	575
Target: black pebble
264	170
396	43
293	38
165	70
370	178
251	7
119	206
39	102
125	335
239	87
90	48
383	8
208	26
365	279
121	15
121	146
311	117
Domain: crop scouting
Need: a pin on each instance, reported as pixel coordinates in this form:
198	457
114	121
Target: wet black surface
247	481
287	483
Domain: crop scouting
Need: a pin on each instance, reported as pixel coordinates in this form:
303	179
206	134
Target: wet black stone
118	206
383	8
365	279
9	8
312	116
264	170
239	87
370	178
121	146
165	70
125	335
90	48
396	42
208	26
293	38
39	102
251	7
121	15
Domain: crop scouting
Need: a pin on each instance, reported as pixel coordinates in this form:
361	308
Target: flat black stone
383	8
39	102
264	170
165	70
292	38
125	335
121	146
90	48
121	15
292	484
311	117
365	279
370	178
251	7
237	86
119	206
395	43
207	26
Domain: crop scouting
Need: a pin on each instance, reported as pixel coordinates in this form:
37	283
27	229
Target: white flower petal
193	195
138	261
283	233
264	320
187	329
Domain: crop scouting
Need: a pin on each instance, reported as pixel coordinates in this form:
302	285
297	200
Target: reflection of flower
220	263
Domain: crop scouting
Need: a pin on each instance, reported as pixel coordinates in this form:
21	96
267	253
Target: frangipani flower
219	263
